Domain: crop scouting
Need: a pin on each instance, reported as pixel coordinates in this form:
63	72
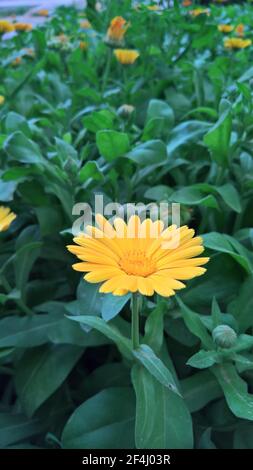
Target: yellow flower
6	26
16	61
126	56
225	28
138	256
117	30
42	12
237	43
187	3
153	7
23	26
2	100
199	11
6	218
239	29
85	24
83	45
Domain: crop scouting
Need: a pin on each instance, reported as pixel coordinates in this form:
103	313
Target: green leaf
87	294
7	190
158	193
161	423
41	372
90	170
152	152
200	389
238	399
22	149
112	144
160	109
222	243
203	359
16	427
146	356
111	332
112	305
243	436
24	260
193	322
242	306
154	327
26	332
192	196
105	421
16	122
218	137
230	196
185	133
99	120
216	313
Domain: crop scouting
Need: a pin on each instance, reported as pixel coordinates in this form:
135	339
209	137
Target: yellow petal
145	286
102	275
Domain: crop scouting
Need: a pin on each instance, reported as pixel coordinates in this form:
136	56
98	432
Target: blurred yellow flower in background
237	43
6	218
225	28
6	26
126	56
83	45
153	7
85	24
16	61
42	12
199	11
23	26
2	100
117	30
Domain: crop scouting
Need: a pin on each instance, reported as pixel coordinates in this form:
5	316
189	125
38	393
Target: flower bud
224	336
125	111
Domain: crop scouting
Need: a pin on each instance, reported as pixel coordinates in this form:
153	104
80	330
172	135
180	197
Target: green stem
19	302
135	320
107	69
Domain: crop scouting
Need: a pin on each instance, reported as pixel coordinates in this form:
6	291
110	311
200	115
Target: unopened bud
224	336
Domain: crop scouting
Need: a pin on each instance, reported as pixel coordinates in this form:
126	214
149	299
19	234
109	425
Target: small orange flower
22	26
199	11
126	56
187	3
85	24
16	61
225	28
237	43
83	45
42	12
117	30
240	29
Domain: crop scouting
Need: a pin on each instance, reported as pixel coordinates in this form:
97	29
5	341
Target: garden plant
138	333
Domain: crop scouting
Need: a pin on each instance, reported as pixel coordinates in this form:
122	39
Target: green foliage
67	366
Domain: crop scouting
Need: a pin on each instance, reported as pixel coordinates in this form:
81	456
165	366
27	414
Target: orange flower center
136	263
